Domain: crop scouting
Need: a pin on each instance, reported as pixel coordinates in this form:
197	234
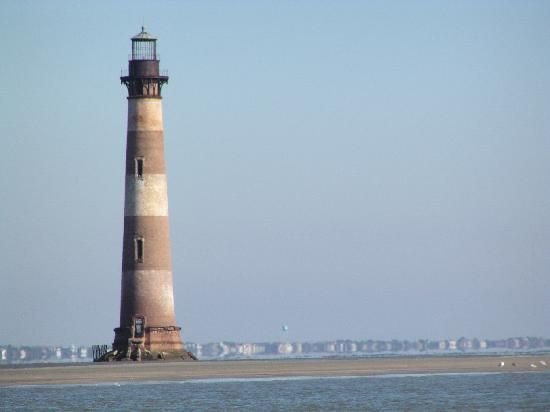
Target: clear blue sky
354	169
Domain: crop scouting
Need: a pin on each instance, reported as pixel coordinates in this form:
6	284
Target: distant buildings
259	350
18	354
230	350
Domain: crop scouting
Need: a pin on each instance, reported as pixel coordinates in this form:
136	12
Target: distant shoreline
95	373
543	353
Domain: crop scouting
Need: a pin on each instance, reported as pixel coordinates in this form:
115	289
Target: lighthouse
147	328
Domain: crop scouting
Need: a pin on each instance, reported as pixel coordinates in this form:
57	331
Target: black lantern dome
144	46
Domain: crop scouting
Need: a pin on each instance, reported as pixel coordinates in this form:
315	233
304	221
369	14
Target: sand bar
91	373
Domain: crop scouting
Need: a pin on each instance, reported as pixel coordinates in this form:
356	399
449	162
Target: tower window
138	249
138	167
139	326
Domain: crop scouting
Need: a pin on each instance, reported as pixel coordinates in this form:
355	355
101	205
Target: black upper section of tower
144	79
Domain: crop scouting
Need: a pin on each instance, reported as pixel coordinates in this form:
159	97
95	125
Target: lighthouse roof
143	35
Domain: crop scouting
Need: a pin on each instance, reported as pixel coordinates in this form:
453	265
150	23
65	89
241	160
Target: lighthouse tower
147	320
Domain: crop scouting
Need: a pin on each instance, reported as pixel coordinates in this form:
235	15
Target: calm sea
501	391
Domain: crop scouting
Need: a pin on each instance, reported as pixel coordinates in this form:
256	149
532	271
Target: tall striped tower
147	320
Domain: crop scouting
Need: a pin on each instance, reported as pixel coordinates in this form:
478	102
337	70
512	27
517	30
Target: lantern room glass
144	49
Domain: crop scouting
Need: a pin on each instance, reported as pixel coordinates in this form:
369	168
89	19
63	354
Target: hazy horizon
358	170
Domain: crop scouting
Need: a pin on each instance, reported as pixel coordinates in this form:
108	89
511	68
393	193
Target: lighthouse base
156	343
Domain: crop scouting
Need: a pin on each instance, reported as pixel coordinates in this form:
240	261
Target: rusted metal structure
147	327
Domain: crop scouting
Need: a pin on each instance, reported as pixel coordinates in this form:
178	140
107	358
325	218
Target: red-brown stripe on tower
147	319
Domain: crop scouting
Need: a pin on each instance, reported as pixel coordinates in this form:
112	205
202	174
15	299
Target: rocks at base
139	354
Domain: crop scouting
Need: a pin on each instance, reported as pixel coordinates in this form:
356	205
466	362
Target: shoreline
116	372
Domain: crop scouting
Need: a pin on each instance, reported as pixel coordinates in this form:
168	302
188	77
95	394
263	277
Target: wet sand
177	371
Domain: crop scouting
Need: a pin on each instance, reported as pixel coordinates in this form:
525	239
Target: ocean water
435	392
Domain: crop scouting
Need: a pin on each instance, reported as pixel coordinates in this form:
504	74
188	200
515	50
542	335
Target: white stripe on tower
145	114
148	195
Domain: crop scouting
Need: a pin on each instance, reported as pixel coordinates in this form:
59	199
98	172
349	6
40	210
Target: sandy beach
91	373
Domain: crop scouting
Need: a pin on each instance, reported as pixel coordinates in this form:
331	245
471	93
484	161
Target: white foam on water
263	379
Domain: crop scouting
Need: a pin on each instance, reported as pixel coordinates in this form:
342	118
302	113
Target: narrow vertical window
139	326
138	167
138	249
